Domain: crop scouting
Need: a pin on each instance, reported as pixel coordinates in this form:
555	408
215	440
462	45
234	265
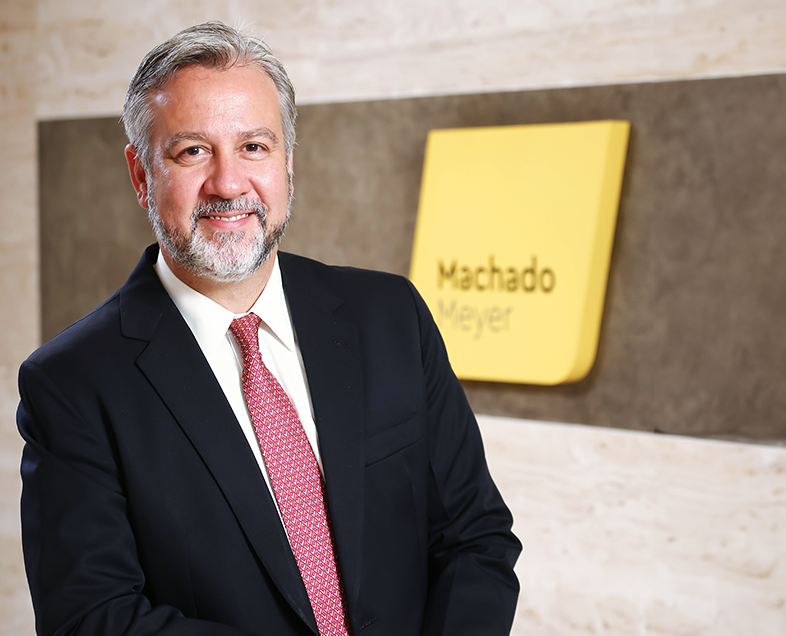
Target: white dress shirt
210	322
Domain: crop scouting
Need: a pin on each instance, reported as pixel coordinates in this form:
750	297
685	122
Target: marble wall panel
630	533
341	50
18	210
19	297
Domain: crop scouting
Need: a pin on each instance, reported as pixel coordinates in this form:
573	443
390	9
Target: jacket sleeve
79	548
472	587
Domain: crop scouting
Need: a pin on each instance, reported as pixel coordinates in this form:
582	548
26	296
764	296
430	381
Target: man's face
219	185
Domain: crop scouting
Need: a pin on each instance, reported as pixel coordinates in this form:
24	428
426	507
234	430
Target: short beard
222	257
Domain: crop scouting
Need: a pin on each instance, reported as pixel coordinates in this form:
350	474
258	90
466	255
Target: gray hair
212	45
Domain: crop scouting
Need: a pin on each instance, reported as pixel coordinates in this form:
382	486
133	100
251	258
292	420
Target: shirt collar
210	322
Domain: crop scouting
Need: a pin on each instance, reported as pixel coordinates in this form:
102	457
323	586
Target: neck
238	297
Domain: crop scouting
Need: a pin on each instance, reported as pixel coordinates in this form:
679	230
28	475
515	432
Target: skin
216	135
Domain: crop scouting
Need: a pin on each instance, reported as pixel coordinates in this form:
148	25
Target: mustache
239	204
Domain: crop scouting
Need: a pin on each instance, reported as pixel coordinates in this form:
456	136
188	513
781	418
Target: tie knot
246	332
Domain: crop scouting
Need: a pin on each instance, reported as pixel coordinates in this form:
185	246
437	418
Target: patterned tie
295	479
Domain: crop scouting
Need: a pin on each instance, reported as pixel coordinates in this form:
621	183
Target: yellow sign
513	242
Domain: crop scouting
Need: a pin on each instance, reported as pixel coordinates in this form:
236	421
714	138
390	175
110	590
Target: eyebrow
262	132
249	134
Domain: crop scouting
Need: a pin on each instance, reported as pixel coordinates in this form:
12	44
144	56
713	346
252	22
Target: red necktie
295	479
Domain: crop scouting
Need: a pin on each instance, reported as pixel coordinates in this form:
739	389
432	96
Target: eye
254	147
190	154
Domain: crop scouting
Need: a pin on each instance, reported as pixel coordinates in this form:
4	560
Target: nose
226	177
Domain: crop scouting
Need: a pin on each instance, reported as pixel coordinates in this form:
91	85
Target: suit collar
143	300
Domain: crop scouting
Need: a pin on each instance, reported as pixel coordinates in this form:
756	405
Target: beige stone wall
624	533
633	533
19	316
348	49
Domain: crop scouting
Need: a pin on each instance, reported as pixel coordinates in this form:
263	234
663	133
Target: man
241	441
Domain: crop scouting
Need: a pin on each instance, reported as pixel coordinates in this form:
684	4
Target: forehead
198	97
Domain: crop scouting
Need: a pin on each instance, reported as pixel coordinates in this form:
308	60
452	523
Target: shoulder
306	269
123	319
89	333
384	307
348	284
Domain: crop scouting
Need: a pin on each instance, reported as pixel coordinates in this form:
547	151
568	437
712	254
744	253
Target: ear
138	174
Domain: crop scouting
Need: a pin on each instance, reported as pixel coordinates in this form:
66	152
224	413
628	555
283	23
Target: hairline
233	48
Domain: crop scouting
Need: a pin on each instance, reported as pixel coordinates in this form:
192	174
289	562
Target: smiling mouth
237	217
229	211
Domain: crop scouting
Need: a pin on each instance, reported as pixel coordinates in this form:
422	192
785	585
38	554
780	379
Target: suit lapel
331	354
175	366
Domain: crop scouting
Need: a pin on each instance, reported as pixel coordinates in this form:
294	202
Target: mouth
229	219
229	215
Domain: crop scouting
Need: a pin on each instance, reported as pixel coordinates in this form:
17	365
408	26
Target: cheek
273	186
176	197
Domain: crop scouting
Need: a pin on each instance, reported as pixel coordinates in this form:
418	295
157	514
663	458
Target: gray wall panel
691	341
92	228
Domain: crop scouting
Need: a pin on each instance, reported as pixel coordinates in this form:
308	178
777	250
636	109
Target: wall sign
513	242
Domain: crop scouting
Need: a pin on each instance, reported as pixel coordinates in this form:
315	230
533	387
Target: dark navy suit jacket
144	511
